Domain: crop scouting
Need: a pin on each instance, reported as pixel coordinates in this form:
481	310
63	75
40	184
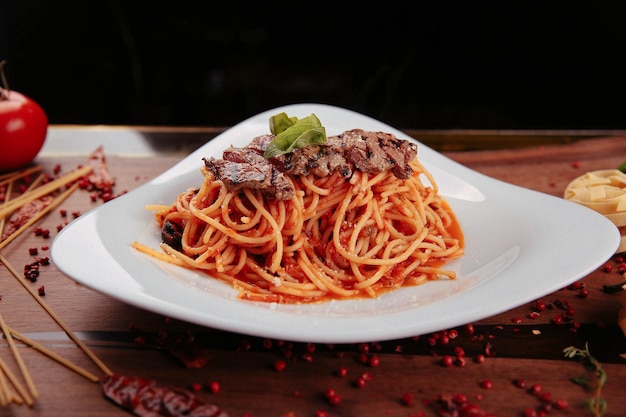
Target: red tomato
23	129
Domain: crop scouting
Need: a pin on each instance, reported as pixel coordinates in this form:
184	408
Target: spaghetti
337	237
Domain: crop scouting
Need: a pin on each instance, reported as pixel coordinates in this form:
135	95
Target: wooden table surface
131	341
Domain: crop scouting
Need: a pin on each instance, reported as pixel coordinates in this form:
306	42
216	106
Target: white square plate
515	242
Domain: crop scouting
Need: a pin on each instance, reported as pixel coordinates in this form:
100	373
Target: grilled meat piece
247	168
370	152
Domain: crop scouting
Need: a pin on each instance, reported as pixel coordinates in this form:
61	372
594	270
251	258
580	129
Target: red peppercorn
367	376
607	268
535	389
486	384
516	320
453	334
33	251
214	387
575	286
196	386
479	358
560	404
545	397
334	400
359	382
41	291
519	383
530	412
373	361
342	372
447	360
469	329
280	365
583	293
321	413
407	399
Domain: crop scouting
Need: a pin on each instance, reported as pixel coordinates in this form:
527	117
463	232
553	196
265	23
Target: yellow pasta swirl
605	192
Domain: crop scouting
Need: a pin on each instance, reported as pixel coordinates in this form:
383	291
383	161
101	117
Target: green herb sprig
293	133
596	404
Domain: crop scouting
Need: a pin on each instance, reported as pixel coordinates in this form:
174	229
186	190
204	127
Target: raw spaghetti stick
22	393
56	318
45	189
54	356
18	358
39	215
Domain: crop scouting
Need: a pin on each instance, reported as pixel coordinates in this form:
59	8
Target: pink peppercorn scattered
519	383
447	360
214	387
33	251
359	382
373	361
560	404
332	397
486	384
407	399
535	389
41	291
280	365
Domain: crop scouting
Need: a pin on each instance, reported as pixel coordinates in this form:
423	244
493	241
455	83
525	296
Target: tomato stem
4	88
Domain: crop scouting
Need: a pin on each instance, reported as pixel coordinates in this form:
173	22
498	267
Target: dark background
423	65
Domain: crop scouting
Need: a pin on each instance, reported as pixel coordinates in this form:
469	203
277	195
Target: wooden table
130	341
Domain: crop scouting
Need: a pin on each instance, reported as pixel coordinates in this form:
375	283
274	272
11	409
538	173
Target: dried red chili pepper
145	397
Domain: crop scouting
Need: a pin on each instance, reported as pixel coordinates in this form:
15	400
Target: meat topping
370	152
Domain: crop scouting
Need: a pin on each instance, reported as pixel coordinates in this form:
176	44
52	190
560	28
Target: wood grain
130	340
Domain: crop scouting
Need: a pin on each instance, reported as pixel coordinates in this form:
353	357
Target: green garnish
593	380
293	133
622	167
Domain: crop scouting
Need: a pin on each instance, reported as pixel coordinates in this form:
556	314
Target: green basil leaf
281	122
304	132
622	167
